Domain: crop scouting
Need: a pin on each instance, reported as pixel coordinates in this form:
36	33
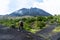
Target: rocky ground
7	33
12	34
48	34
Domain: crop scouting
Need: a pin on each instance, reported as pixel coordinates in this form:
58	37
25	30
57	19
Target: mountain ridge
30	12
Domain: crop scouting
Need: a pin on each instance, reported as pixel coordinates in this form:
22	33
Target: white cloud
25	3
19	4
8	6
51	6
4	6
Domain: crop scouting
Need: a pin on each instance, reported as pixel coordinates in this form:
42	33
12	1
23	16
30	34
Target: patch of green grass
34	30
57	29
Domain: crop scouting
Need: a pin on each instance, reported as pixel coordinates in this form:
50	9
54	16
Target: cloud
25	3
8	6
51	6
4	6
18	4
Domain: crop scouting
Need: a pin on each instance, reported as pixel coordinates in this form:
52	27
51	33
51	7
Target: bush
41	18
39	25
52	21
50	17
12	26
27	26
42	24
30	20
24	19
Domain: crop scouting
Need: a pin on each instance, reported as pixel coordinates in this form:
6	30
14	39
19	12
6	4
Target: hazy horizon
9	6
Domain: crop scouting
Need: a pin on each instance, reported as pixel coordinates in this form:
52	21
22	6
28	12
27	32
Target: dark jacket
21	23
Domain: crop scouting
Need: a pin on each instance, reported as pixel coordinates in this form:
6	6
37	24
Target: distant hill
30	12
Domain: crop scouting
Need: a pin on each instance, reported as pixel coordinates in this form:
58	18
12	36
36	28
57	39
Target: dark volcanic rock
13	34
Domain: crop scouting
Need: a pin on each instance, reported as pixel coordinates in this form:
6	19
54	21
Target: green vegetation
34	23
31	24
57	29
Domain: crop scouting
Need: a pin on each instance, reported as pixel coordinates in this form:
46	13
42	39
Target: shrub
39	24
12	26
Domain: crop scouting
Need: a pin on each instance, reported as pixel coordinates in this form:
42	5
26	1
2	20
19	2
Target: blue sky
9	6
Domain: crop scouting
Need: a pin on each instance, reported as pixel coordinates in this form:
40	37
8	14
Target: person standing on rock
20	26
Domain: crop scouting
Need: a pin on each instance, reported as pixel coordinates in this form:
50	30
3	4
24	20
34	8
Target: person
20	25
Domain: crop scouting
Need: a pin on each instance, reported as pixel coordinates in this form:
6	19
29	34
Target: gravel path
45	32
12	34
55	36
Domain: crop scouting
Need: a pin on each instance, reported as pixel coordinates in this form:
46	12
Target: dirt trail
47	30
12	34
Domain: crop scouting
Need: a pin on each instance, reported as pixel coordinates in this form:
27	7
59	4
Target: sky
9	6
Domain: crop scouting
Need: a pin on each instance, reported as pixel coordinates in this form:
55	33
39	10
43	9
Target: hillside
30	12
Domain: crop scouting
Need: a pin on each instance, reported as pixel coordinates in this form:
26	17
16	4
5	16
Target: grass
57	29
34	30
